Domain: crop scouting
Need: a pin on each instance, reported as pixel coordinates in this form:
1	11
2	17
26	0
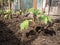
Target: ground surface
9	34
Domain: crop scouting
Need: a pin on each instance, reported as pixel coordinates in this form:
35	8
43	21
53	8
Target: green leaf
49	19
36	12
31	10
18	12
42	17
5	16
45	19
24	24
8	11
1	11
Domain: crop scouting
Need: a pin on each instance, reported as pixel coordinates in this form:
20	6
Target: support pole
9	4
35	4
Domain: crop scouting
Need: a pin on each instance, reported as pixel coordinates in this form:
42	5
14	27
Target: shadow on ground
5	36
46	32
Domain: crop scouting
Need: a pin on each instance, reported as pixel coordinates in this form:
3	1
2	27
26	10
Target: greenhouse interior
29	22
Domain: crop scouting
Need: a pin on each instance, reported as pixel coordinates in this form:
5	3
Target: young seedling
35	13
45	19
25	25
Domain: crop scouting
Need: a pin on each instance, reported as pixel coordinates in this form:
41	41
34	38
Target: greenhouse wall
16	5
29	4
26	4
55	7
39	4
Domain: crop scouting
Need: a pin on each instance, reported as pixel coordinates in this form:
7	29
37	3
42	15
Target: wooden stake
35	4
9	1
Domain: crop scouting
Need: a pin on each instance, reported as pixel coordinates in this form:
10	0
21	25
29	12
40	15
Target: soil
10	33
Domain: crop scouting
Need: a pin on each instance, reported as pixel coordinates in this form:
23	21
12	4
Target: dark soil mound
5	35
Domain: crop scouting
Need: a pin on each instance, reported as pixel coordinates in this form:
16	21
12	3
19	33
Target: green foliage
7	13
24	24
33	11
6	16
1	1
1	11
45	19
36	12
19	12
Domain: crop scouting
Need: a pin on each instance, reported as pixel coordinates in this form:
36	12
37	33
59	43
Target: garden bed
10	33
